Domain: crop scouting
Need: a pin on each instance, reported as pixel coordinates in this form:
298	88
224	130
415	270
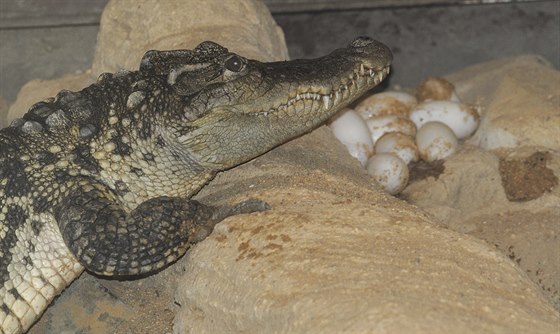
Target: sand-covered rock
520	100
509	197
469	197
335	257
129	28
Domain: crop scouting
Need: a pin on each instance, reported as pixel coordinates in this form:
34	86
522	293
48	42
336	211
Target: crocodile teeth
305	96
363	76
379	77
386	70
327	102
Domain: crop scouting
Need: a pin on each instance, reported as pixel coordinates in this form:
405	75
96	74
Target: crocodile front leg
109	241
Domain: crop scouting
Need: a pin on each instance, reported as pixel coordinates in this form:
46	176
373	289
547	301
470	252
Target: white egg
435	141
386	103
398	143
389	171
352	131
436	89
461	118
380	125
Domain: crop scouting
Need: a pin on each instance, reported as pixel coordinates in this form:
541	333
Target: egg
389	171
461	118
380	125
435	88
435	141
352	131
398	143
386	103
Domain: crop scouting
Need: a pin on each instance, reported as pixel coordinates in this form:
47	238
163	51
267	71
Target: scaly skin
101	179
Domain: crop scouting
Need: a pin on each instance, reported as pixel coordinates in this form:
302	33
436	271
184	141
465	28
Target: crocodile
102	179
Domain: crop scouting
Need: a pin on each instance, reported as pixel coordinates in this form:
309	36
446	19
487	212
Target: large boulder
520	99
506	189
336	255
129	28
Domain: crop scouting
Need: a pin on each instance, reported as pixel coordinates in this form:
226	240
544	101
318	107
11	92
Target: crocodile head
233	109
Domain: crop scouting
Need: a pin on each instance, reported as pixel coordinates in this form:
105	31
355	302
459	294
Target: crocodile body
101	179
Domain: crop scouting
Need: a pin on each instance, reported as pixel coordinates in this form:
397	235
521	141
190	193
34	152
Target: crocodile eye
234	63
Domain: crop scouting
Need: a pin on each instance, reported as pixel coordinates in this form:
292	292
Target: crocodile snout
378	55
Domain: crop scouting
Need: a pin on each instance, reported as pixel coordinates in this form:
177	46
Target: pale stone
469	198
519	99
130	27
333	256
520	104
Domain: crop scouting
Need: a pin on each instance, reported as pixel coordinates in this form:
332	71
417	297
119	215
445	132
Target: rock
508	197
130	27
469	197
37	90
519	108
335	255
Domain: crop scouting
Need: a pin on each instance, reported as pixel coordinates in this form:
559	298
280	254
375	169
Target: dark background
47	38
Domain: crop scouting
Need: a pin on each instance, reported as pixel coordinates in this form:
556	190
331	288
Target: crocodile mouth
322	99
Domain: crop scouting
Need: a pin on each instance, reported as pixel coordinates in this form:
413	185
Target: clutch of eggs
387	131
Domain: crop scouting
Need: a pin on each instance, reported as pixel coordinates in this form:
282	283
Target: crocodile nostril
362	41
